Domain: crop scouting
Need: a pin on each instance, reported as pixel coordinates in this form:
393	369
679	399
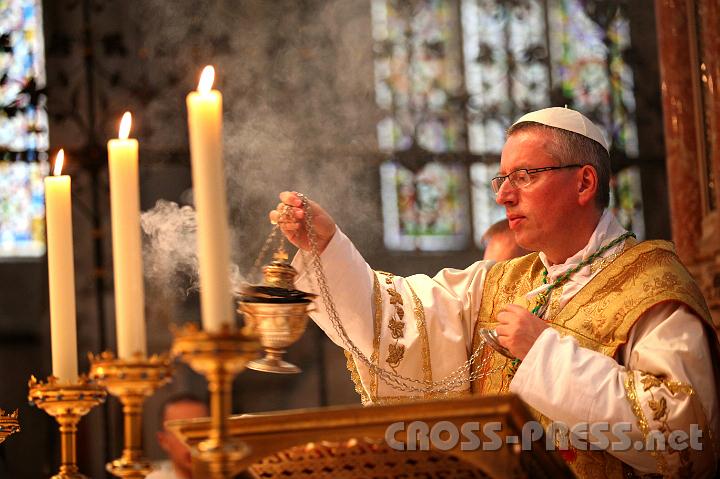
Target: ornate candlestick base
131	381
67	403
9	424
219	357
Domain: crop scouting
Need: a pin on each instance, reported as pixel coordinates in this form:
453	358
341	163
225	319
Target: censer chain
263	251
458	378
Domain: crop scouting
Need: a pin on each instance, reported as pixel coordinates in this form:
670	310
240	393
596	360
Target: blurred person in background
179	462
499	243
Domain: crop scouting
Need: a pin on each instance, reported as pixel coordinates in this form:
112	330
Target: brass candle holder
67	403
131	381
9	424
219	357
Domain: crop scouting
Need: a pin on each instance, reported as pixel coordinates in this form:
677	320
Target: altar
428	439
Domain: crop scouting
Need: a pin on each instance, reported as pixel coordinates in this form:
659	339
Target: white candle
205	126
126	242
61	274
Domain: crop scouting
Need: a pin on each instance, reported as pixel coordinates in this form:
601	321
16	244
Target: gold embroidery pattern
595	267
396	325
377	326
352	367
635	403
396	351
602	313
650	381
600	263
396	328
404	399
631	394
388	276
419	311
395	354
554	307
661	413
602	327
506	282
364	398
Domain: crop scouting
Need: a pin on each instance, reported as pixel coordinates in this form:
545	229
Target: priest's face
541	212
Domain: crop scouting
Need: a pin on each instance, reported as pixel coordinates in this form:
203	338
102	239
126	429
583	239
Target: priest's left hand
518	329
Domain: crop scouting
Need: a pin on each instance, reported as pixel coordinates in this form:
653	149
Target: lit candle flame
125	124
207	77
59	159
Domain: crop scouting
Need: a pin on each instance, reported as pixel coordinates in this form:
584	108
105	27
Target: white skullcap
566	119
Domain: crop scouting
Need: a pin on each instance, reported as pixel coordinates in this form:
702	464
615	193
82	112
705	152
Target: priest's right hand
290	216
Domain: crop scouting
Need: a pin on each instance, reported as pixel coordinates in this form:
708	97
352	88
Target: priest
597	327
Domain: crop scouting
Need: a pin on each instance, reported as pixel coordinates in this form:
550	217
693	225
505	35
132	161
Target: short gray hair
569	148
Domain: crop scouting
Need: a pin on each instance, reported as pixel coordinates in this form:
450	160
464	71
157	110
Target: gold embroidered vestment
599	316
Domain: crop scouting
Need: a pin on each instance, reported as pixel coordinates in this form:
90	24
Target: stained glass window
23	128
426	210
22	208
530	54
418	75
23	120
486	211
506	67
448	98
590	68
626	200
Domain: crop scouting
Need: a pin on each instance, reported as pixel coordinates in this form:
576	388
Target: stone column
690	67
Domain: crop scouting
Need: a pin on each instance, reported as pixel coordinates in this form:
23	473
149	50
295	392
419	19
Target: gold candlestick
218	357
131	381
67	403
9	424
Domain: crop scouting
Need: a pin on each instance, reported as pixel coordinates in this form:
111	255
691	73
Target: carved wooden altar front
350	442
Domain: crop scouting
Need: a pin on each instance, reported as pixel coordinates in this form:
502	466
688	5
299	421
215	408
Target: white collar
606	230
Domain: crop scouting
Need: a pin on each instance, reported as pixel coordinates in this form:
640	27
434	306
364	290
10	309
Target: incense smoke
170	250
299	114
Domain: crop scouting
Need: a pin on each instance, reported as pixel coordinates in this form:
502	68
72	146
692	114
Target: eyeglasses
521	178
